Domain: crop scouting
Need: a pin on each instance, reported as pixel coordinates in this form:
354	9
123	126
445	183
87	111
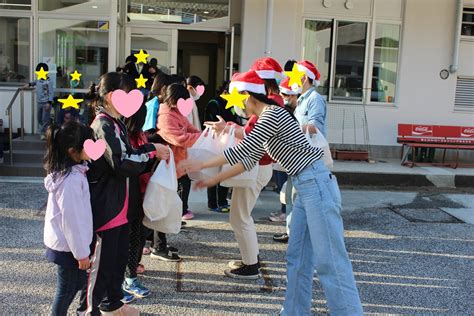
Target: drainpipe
457	38
268	28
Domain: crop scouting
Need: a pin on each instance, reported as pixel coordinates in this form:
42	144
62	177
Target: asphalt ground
409	257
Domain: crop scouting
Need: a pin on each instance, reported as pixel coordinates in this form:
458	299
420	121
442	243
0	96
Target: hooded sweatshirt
68	220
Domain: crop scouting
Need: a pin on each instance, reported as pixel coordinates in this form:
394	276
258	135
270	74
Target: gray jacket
44	90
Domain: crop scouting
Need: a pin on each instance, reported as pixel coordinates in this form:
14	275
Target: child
109	188
68	222
192	83
44	99
138	233
177	131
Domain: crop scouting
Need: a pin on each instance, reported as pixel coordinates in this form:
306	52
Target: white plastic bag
205	148
318	140
246	179
171	223
161	191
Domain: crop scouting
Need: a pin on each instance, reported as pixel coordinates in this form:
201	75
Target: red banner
436	133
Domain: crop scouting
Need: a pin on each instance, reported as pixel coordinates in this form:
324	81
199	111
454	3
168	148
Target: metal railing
20	91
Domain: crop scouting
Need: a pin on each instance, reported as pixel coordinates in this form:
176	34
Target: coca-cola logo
467	132
422	130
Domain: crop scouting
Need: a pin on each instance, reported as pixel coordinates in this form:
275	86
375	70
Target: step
31	142
32	156
22	169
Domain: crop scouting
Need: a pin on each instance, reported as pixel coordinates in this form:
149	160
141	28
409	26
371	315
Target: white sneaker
278	218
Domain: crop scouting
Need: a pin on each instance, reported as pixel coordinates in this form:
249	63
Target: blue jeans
43	116
317	242
70	281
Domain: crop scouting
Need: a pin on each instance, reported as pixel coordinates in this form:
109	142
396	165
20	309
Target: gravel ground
403	264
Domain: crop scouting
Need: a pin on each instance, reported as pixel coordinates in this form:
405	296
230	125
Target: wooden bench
435	136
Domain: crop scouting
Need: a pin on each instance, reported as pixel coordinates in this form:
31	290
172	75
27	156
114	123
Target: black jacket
108	176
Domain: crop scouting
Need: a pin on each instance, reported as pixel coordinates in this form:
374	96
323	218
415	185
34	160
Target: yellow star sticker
75	76
141	82
70	102
295	76
41	74
141	57
235	99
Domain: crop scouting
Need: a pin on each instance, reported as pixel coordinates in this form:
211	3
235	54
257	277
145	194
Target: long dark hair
135	122
59	139
264	99
160	82
174	92
194	81
110	82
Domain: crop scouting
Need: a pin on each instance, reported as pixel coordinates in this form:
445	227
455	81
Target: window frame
468	38
369	56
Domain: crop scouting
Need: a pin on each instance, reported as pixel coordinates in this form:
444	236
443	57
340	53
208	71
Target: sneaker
283	238
188	215
165	255
244	272
125	310
127	297
225	209
135	288
173	249
146	251
234	264
279	218
274	214
140	269
220	209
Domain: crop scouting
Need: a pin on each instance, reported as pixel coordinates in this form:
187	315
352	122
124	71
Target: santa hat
286	89
310	70
268	68
247	81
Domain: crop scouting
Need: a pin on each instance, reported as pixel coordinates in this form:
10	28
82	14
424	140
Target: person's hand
201	184
188	166
162	151
84	264
216	126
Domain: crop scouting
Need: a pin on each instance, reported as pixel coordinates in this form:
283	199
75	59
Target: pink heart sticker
200	90
185	106
94	150
125	103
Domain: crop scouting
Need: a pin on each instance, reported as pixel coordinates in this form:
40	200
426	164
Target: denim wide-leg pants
317	242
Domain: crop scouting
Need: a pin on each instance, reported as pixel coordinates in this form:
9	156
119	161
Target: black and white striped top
280	135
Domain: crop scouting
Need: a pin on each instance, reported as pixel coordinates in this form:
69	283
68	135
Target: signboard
436	133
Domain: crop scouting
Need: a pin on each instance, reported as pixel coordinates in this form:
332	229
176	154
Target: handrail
9	112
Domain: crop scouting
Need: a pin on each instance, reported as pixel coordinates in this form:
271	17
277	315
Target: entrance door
161	44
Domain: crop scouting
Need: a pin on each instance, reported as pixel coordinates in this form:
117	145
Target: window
467	28
183	12
384	70
69	45
14	50
15	4
348	79
318	49
342	67
96	7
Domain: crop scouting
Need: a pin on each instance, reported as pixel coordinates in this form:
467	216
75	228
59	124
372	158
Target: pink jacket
176	130
68	220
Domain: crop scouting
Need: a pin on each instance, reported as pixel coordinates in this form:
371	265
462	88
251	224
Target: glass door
161	44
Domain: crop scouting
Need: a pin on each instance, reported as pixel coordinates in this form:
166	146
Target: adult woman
317	240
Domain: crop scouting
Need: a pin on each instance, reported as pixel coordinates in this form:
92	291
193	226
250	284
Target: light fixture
95	7
206	12
151	9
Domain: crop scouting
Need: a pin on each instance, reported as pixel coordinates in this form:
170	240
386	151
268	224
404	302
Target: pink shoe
188	215
146	251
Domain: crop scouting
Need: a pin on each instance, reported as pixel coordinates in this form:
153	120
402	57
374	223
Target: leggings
138	235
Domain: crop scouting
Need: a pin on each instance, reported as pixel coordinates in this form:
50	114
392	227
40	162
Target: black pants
138	235
70	281
104	288
217	196
159	241
184	187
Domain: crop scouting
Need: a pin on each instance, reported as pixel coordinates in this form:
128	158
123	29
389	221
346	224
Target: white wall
426	49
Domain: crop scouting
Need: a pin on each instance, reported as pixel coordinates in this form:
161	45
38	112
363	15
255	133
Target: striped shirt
278	134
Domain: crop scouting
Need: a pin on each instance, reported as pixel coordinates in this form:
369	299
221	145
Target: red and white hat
310	70
268	68
286	89
247	81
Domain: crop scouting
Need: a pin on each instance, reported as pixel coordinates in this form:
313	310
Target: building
383	62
